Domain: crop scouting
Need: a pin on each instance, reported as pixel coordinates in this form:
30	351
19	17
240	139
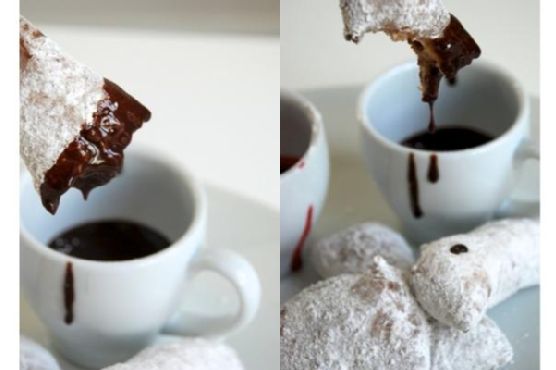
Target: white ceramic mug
303	187
473	183
121	306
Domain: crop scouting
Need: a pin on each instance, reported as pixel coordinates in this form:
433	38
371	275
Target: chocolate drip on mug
433	173
69	293
95	156
413	186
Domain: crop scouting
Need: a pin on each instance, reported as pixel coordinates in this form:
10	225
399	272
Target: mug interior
296	126
483	98
149	191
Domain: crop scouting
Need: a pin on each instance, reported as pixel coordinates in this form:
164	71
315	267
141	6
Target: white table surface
314	53
214	98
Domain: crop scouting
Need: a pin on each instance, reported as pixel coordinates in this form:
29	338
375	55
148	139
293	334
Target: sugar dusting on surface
32	356
184	354
457	289
352	250
485	347
400	19
355	321
57	96
371	321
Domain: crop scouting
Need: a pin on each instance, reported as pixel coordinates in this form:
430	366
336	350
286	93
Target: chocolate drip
433	173
458	249
69	293
432	123
443	56
95	156
413	185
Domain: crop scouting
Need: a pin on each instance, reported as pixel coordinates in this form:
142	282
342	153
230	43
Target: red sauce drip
287	162
297	260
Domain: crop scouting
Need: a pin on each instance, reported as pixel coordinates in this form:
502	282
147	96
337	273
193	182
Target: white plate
353	197
251	229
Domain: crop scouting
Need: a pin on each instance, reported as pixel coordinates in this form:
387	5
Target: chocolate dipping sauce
413	186
443	138
96	155
112	240
447	138
443	56
69	293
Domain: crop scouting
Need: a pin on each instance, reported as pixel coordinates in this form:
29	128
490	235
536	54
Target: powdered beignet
457	278
353	250
485	347
74	124
400	19
371	321
184	354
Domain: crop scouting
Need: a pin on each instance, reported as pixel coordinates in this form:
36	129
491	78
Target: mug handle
241	275
512	207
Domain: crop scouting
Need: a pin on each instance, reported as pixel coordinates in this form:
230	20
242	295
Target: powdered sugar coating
355	321
499	258
400	18
484	347
58	95
34	357
352	250
184	354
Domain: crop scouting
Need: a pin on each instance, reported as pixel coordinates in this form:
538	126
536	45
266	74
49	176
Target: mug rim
373	86
315	120
198	218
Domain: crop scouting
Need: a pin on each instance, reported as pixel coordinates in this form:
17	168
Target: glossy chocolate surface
96	156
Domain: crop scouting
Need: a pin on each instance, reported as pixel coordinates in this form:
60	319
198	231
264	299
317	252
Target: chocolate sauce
287	162
447	138
458	249
432	124
413	186
443	56
95	156
69	293
433	173
112	240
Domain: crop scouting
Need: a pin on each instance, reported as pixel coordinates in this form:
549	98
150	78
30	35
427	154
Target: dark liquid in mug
287	162
109	241
443	138
103	241
447	138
